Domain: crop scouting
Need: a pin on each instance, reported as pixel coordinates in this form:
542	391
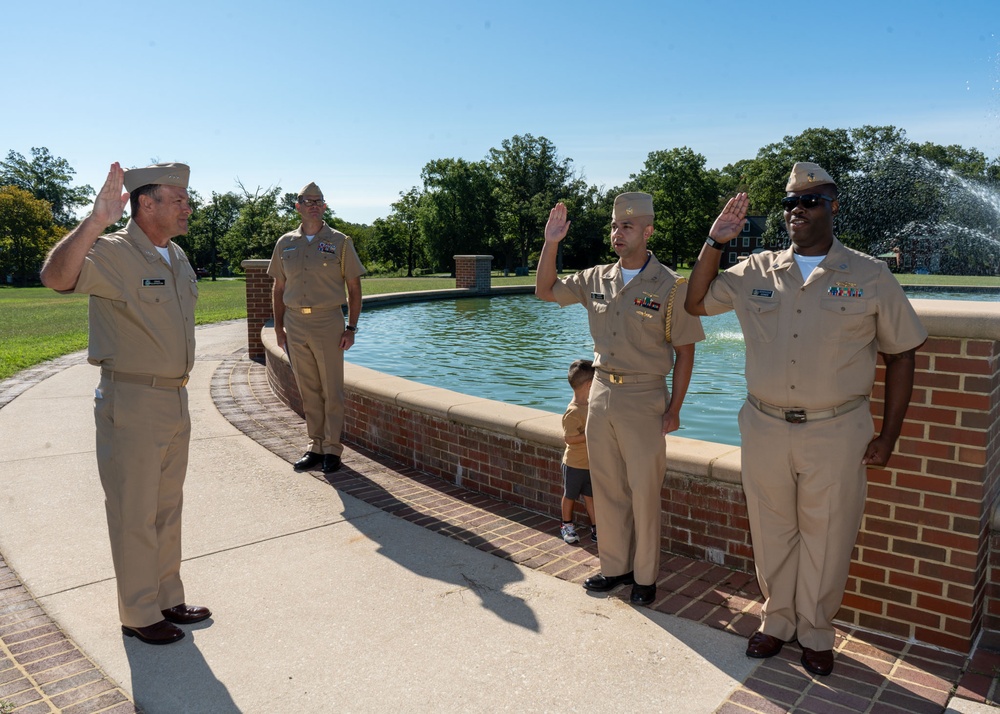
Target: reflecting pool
517	348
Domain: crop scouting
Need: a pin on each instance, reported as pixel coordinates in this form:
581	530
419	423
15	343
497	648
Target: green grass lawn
38	324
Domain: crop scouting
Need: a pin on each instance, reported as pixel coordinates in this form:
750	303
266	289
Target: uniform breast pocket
644	328
155	305
847	319
760	321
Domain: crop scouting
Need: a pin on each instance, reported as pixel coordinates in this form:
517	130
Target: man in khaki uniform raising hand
641	334
814	318
142	295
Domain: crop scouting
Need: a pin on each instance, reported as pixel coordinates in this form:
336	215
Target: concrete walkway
324	602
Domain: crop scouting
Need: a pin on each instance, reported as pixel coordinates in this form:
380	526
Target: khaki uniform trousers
628	463
318	366
143	435
805	490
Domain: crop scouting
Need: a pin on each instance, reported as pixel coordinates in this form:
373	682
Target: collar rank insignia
647	302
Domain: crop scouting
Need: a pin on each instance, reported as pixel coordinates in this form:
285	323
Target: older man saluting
142	295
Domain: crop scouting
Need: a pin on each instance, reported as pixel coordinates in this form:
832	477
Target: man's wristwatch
352	328
712	243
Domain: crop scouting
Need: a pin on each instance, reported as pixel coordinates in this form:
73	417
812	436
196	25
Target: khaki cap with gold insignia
162	174
310	189
806	175
633	204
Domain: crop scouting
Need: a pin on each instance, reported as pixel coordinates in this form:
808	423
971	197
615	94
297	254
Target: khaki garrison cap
163	174
310	189
806	175
633	205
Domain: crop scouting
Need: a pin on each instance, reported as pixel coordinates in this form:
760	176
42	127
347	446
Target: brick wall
922	562
925	565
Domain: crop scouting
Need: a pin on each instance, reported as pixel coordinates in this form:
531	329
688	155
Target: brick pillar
258	304
473	272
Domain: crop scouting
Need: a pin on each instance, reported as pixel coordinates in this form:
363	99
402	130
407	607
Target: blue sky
359	96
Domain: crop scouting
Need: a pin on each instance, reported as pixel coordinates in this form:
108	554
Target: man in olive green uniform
316	271
814	318
640	333
142	295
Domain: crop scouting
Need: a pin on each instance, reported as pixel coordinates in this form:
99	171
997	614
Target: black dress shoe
603	583
817	661
159	633
308	461
762	646
186	614
331	463
642	594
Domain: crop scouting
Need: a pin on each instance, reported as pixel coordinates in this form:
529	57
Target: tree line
894	192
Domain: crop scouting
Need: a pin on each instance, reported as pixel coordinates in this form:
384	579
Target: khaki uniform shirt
574	423
315	272
628	322
814	345
141	309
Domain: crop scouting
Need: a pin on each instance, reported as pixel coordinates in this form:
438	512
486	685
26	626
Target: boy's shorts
576	482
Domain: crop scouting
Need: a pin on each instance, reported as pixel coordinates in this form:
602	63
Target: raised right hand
110	202
730	222
557	226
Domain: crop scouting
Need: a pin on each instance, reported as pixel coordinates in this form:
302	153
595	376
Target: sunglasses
809	200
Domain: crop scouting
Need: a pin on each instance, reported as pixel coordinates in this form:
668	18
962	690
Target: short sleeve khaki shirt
628	322
315	272
141	308
814	345
574	423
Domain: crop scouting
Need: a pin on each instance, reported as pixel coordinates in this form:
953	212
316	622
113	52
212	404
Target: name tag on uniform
762	293
153	282
596	296
325	247
289	249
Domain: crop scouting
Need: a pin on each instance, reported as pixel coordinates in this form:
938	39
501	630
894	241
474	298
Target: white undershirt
165	252
629	274
807	263
310	238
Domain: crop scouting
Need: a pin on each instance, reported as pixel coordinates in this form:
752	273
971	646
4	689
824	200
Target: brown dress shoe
186	614
817	661
159	633
762	646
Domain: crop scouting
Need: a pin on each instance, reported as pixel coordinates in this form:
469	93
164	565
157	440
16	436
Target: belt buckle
795	416
616	379
306	310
